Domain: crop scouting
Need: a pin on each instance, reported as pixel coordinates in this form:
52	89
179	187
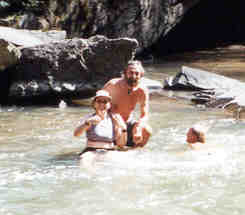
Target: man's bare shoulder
114	81
111	84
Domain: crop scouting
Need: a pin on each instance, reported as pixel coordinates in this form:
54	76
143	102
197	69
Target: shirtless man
126	92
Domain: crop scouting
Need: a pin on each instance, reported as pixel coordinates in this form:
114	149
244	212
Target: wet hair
136	64
200	135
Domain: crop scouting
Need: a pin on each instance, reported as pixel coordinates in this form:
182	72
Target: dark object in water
212	90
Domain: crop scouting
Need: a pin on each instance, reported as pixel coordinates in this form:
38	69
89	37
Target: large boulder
210	89
197	79
145	20
72	68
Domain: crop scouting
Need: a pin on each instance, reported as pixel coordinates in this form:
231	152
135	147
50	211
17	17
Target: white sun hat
101	93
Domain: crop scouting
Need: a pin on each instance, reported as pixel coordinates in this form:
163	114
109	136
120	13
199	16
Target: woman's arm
86	124
82	128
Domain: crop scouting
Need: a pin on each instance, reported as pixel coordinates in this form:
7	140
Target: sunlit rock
9	54
210	89
71	68
29	38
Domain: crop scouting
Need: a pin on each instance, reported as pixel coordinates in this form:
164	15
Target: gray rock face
71	68
211	90
197	79
145	20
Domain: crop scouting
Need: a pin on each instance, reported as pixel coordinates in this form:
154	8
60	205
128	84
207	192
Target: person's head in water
194	135
133	73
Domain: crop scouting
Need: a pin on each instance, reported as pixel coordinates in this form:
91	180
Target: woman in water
104	131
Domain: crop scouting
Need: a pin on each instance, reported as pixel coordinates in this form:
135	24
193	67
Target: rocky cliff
144	20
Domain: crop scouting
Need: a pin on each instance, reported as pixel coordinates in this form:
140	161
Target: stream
40	171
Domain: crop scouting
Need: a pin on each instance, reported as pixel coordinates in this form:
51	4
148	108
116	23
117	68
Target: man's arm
142	131
144	106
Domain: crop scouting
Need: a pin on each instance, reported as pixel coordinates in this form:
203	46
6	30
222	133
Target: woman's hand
94	120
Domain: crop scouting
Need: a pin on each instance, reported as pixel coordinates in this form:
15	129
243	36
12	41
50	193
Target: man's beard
131	82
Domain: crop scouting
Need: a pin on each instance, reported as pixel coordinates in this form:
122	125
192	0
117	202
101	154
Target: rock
197	79
29	38
212	90
9	54
68	69
29	21
147	21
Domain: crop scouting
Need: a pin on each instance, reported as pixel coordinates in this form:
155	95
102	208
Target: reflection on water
40	172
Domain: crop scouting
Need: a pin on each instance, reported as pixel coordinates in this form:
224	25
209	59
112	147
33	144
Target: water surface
40	172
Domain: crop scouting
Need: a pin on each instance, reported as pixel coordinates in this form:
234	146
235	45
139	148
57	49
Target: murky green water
40	172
